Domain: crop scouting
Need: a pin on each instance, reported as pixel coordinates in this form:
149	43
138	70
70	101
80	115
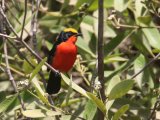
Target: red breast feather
65	55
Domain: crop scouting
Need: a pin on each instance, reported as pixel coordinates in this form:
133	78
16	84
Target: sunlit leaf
39	113
120	89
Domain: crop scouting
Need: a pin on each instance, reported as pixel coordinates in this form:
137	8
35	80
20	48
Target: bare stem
101	54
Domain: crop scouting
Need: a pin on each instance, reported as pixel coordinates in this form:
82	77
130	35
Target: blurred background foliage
131	40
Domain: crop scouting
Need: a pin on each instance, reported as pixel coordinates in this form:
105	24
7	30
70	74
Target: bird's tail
54	83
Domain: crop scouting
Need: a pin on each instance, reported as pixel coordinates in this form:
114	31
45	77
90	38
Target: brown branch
101	55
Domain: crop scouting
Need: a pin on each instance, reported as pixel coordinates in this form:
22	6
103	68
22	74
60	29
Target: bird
62	57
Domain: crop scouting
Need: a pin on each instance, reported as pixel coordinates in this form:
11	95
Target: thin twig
24	19
101	54
154	108
6	36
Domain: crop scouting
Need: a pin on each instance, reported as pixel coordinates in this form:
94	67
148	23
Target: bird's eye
68	34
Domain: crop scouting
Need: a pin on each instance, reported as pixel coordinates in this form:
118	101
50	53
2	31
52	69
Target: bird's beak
79	34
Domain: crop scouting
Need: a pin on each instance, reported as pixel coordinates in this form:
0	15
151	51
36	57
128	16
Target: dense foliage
131	42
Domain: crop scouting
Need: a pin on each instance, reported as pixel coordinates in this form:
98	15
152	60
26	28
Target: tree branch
101	54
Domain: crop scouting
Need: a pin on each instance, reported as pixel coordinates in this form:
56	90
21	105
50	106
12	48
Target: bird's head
68	34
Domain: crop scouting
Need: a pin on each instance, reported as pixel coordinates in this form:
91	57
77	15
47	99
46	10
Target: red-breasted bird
62	57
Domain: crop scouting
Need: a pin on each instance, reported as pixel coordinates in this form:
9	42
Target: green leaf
37	69
98	102
74	86
39	90
90	110
90	96
111	45
120	5
120	112
144	19
5	104
146	75
39	113
120	89
152	36
141	43
27	67
83	46
138	65
121	68
107	4
114	81
111	59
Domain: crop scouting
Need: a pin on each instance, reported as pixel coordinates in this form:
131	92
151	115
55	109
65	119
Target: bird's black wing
53	50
